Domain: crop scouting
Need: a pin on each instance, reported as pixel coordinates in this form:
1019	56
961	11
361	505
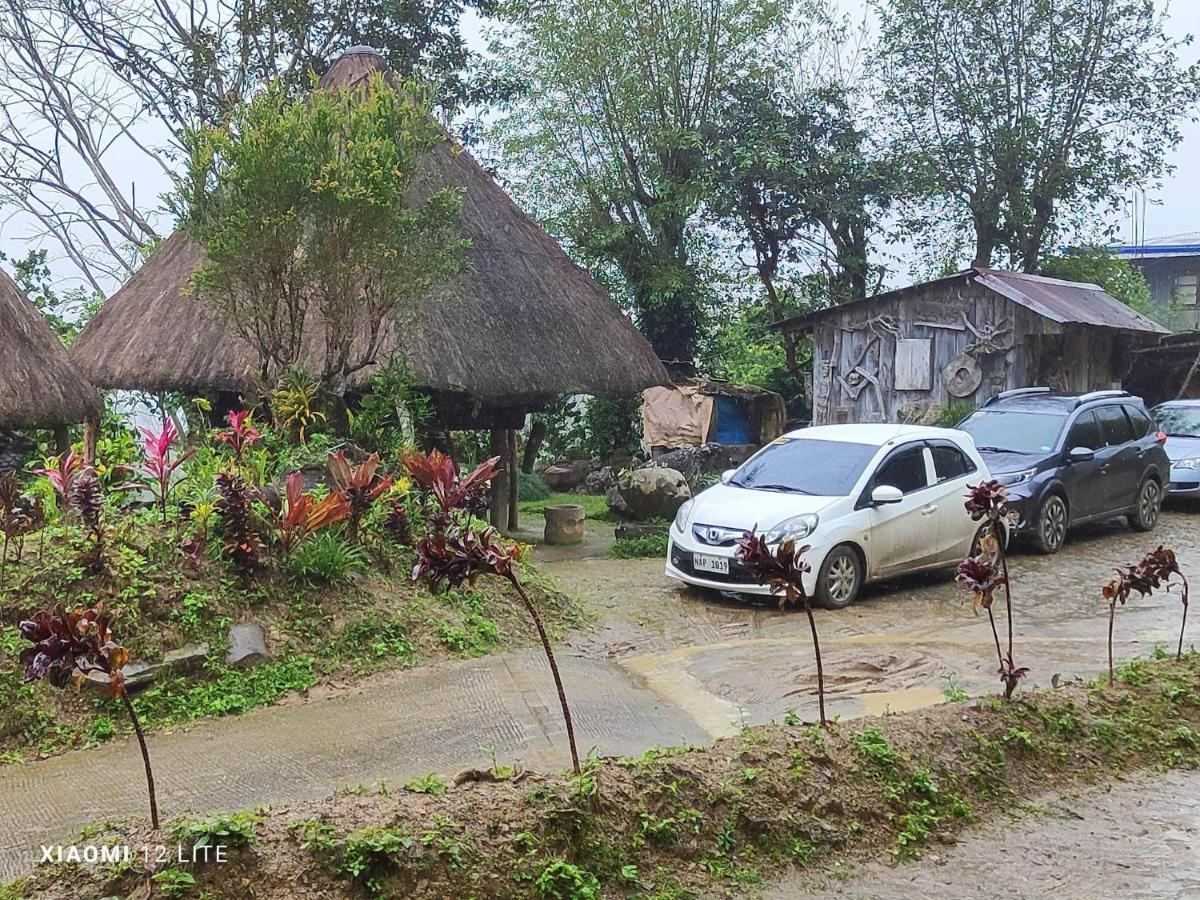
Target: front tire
840	578
1149	504
1050	526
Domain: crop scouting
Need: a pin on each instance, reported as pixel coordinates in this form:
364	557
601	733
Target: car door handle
929	510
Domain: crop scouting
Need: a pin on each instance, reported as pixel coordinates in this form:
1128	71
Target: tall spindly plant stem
1002	554
1112	615
562	695
812	625
137	729
1183	624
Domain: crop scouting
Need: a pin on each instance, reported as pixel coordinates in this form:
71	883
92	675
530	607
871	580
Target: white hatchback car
871	501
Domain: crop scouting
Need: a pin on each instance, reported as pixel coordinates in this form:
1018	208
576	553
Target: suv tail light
1161	437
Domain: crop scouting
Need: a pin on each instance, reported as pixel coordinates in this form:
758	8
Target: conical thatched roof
523	325
39	386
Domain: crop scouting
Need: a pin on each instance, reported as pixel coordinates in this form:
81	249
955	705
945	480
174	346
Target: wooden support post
514	481
91	437
498	501
537	434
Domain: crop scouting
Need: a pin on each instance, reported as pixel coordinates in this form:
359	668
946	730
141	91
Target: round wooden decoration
962	376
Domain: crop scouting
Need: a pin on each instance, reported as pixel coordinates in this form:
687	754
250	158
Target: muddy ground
901	646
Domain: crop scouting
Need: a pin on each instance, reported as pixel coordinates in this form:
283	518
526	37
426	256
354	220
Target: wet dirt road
901	646
1139	841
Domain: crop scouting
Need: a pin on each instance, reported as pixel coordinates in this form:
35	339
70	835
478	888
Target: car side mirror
1081	454
885	494
726	475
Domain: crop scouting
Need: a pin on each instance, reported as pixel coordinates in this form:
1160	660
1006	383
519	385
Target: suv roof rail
1097	395
1017	392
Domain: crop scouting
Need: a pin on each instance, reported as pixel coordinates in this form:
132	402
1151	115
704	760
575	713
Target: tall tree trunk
533	446
62	439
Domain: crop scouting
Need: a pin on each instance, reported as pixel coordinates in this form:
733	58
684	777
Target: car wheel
977	543
839	578
1149	504
1051	522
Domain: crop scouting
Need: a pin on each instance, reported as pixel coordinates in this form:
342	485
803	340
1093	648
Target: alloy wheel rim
1054	524
841	578
1150	503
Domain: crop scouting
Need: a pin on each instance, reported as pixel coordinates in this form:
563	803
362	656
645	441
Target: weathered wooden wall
857	351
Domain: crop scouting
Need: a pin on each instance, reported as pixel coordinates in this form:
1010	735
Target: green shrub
324	558
648	546
531	487
561	880
224	829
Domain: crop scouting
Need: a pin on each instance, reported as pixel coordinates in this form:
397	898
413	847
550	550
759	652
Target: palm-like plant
460	555
240	434
304	515
784	569
438	475
61	476
1155	570
66	646
89	500
159	463
360	486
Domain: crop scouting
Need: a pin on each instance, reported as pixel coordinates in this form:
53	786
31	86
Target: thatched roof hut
39	386
522	326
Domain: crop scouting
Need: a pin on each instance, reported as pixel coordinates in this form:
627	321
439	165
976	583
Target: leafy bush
647	546
324	558
561	880
224	829
531	487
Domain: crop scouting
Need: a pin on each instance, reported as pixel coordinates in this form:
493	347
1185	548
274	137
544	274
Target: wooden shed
906	354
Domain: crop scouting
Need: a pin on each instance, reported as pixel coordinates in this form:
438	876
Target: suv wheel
1149	503
839	579
1051	525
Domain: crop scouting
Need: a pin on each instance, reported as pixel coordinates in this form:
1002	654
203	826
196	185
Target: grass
715	821
648	546
594	506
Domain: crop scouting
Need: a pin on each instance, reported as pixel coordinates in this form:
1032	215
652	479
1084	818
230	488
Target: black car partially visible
1072	458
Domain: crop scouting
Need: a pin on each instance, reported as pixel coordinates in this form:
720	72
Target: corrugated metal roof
1065	302
1187	244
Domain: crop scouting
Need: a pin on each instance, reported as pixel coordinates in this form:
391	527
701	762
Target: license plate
716	564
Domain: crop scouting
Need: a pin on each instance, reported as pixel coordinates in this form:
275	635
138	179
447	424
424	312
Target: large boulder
600	481
247	646
616	503
566	476
703	462
653	492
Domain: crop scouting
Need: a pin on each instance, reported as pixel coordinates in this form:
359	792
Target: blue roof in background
1170	245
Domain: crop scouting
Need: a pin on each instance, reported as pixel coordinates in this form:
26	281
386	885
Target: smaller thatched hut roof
39	385
522	326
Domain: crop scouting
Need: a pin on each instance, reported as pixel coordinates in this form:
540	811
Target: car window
806	466
1114	427
905	470
1178	421
949	462
1014	431
1142	425
1085	433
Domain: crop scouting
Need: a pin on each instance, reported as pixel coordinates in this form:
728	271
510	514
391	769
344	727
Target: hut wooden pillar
91	437
498	502
62	439
514	480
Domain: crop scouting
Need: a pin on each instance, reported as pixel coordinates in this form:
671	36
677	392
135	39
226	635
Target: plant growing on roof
66	647
160	461
243	545
61	473
458	556
783	569
360	486
240	434
1155	570
987	571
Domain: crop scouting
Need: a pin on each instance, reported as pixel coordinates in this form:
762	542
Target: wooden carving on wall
962	375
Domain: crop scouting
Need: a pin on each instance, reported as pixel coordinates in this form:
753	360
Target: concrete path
438	719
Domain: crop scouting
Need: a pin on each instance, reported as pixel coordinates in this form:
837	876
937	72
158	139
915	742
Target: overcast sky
1171	209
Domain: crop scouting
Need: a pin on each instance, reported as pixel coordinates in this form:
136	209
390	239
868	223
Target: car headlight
794	528
1009	479
1192	462
681	515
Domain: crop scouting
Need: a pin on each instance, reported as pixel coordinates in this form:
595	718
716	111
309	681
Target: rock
700	463
616	503
247	646
654	492
566	476
185	660
137	677
564	524
599	481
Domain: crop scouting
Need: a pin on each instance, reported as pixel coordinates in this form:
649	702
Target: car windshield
805	466
1178	421
1013	431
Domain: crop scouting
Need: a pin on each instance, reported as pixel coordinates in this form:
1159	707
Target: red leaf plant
1154	571
19	516
459	556
66	646
437	474
159	462
62	475
985	573
358	485
234	504
784	569
89	500
303	514
240	434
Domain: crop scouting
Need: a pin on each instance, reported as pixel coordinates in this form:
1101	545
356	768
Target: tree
315	252
91	90
1024	114
606	141
66	312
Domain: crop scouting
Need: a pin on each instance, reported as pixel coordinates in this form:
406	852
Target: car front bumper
681	550
1184	481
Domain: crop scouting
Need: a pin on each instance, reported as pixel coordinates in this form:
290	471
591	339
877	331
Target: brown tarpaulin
676	416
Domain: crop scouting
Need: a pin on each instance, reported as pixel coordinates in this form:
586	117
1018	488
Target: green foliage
294	198
65	312
562	880
647	546
530	487
1118	277
432	783
953	413
224	829
324	558
391	411
592	428
367	854
174	882
371	640
594	505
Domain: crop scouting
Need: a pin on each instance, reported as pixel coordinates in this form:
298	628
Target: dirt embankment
679	823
